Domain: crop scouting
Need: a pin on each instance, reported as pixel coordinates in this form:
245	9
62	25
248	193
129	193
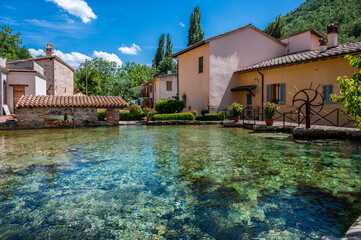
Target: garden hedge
126	116
101	115
174	116
214	116
169	106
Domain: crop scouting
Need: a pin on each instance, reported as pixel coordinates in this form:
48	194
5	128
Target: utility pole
86	77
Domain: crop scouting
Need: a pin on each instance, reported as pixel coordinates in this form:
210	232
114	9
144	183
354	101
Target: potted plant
236	110
148	113
269	111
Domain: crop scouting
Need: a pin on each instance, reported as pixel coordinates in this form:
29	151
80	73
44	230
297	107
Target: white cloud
111	57
75	58
34	53
133	50
78	8
182	24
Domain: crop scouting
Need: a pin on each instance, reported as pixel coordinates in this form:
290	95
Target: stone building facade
66	111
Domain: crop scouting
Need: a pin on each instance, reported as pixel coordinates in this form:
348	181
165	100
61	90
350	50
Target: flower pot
149	118
236	119
269	122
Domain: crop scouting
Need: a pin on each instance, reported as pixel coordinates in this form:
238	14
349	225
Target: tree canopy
277	28
350	90
195	31
166	62
159	54
319	13
106	78
10	45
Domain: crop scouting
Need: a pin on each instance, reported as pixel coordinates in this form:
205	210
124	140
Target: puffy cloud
111	57
133	50
34	53
75	58
78	8
182	24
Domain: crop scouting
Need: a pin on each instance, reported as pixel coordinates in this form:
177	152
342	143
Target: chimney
332	34
49	50
323	44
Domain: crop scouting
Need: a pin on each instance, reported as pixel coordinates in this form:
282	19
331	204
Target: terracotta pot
269	122
236	119
149	118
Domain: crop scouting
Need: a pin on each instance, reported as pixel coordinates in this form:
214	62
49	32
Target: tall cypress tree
159	54
195	31
169	47
277	28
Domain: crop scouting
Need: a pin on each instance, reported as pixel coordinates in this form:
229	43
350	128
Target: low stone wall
85	116
326	132
30	117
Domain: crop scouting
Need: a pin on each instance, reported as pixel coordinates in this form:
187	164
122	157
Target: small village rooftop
29	101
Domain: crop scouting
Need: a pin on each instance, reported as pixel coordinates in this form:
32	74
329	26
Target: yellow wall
195	85
295	77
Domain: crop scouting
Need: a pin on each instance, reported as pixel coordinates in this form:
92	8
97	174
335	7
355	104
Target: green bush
214	116
126	116
169	106
136	110
174	116
200	118
101	115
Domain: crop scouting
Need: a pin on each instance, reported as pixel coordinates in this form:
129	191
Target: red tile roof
306	56
71	101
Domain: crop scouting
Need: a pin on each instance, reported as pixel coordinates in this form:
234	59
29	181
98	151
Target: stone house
47	75
66	111
159	88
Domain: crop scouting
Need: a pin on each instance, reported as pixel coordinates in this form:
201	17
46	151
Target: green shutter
269	92
282	93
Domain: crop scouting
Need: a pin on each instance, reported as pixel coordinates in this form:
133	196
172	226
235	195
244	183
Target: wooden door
18	92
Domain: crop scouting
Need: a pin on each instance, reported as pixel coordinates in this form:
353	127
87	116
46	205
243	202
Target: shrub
269	110
204	111
126	116
135	110
169	106
101	115
236	109
200	118
194	112
214	116
174	116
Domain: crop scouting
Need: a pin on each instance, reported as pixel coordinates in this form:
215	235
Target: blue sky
127	30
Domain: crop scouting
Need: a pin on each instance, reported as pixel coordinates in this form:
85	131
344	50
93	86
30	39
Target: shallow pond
175	182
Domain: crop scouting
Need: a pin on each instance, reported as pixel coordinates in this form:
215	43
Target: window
276	93
327	90
200	65
169	85
249	99
151	88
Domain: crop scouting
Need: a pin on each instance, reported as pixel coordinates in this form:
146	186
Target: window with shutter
269	92
327	90
282	93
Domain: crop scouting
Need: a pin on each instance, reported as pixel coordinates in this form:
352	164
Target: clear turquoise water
175	182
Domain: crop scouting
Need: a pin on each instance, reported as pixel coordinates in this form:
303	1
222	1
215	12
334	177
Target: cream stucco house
248	66
159	88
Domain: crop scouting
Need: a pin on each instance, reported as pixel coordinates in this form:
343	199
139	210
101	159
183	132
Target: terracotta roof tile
342	49
71	101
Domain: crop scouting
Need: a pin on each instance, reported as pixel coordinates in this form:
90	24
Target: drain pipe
2	94
262	90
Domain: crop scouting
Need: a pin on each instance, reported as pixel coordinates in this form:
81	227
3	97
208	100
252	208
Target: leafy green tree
159	54
10	45
195	31
277	28
350	90
167	63
94	80
169	47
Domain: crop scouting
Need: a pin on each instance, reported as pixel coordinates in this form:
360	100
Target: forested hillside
319	13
